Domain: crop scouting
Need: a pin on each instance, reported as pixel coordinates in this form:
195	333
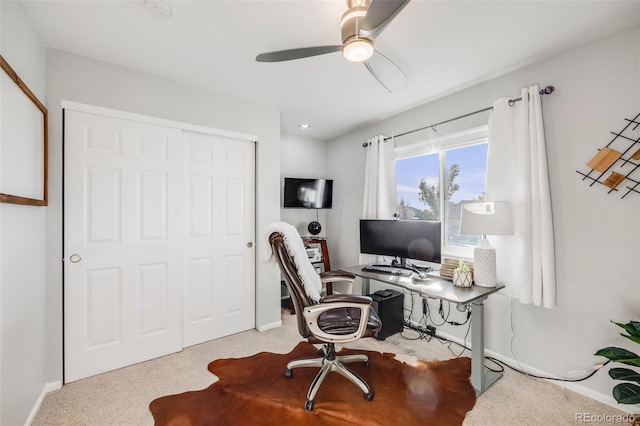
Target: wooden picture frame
23	123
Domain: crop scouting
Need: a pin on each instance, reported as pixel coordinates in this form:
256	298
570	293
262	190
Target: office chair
337	318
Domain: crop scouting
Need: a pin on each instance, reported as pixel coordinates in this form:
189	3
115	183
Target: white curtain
379	180
379	184
517	173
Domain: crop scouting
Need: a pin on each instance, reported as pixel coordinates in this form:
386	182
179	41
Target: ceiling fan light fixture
358	50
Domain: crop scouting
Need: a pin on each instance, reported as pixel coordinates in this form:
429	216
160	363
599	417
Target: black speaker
389	305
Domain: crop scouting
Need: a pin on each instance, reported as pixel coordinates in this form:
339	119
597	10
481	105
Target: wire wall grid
618	161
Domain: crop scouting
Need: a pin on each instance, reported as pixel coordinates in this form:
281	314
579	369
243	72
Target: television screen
308	193
405	239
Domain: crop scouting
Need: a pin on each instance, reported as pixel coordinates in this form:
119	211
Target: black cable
446	319
424	335
504	364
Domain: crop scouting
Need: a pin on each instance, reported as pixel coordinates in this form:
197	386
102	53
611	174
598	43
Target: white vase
462	279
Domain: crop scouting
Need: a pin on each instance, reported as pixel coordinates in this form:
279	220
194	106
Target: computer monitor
403	239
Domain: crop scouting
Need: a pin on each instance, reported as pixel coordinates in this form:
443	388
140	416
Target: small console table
438	288
323	248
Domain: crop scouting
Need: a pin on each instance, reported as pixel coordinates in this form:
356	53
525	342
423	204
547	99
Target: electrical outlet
431	330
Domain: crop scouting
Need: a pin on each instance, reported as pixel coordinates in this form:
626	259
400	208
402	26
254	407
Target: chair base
328	363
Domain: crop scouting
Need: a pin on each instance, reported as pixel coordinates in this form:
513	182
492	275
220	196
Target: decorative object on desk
314	227
625	393
449	265
618	154
485	218
462	275
253	390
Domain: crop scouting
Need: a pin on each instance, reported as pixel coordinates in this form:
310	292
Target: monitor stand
401	262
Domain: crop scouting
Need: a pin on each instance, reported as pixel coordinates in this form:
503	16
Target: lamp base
484	264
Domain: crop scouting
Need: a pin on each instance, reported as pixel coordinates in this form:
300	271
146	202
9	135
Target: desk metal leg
366	286
480	379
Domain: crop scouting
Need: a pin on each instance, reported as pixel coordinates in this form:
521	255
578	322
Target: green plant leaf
620	355
627	393
632	327
633	338
624	374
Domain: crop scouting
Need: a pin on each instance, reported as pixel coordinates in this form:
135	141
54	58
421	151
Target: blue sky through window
473	168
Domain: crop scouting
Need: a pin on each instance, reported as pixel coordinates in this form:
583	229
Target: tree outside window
419	188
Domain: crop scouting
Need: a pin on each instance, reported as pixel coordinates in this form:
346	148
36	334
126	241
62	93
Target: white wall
597	235
75	78
22	248
303	157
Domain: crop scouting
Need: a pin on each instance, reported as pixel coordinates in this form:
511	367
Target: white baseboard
48	387
573	386
266	327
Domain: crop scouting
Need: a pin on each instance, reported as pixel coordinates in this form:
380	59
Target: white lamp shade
486	218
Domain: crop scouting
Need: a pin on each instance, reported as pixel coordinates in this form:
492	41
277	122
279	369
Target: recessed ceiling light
304	126
158	9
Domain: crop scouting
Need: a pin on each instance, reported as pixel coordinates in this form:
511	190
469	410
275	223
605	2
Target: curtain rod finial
547	90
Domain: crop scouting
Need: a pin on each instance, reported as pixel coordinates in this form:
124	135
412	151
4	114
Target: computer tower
389	305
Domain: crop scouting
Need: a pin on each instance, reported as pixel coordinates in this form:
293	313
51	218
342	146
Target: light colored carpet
122	397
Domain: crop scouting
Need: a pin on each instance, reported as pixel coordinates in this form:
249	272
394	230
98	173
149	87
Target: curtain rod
546	91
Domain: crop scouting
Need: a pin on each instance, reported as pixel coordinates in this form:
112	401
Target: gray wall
303	157
75	78
597	235
22	248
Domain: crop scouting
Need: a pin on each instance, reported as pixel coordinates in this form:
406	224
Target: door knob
75	258
249	244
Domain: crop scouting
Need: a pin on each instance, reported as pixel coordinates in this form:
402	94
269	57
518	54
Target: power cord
560	379
424	335
449	311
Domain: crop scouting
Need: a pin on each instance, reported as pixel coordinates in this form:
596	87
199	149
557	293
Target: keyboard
387	270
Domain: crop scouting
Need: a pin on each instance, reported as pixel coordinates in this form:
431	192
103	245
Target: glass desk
438	288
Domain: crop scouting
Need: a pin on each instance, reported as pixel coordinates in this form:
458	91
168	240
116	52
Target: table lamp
485	218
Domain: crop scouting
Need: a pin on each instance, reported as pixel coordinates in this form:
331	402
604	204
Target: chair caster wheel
367	363
308	405
369	396
288	373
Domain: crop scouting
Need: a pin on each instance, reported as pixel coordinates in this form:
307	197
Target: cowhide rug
253	391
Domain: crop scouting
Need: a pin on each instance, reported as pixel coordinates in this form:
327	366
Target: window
434	178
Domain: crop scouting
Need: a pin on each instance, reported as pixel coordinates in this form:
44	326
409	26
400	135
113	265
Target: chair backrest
292	278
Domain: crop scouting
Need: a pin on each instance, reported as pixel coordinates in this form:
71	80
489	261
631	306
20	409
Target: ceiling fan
360	26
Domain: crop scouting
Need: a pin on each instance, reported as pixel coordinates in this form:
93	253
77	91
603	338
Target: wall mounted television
308	193
402	239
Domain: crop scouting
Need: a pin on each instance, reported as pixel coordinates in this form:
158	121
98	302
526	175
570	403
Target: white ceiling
441	46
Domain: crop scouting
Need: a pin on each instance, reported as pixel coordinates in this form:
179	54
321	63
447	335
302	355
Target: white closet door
123	237
219	234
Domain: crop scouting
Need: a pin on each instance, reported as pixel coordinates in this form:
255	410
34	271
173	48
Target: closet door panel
219	233
122	243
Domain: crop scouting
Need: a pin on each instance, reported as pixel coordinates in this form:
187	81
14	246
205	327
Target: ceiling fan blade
379	15
291	54
386	72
